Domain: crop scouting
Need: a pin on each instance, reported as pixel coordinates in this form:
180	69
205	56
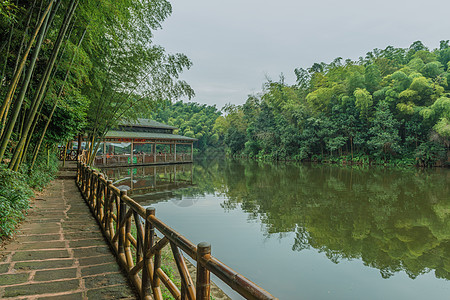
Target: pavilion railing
131	231
124	159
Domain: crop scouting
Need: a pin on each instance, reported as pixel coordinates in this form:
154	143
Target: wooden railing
125	159
131	231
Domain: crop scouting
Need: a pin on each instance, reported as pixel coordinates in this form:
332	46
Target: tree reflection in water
393	220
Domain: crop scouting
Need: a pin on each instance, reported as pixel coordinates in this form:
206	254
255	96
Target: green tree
384	139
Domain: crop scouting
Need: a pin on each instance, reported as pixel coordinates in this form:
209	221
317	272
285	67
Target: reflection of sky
270	262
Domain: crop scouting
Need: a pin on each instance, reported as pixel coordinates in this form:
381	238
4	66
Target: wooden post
121	230
203	278
154	152
107	209
175	151
192	151
98	199
149	232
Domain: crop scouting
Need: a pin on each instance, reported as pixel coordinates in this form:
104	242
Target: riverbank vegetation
391	106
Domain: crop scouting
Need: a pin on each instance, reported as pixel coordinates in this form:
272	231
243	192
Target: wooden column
131	179
154	152
154	177
104	152
131	155
192	151
175	151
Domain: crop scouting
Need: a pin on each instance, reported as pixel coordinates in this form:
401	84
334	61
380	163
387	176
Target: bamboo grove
74	67
393	105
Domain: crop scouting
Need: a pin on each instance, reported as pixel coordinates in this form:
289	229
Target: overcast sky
235	44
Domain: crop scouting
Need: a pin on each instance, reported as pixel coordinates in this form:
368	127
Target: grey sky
235	44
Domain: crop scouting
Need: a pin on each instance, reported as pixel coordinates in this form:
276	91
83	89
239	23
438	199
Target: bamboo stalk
19	101
169	284
15	80
139	237
132	240
186	279
156	281
43	84
158	246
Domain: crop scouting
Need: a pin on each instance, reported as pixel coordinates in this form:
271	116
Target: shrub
16	189
14	195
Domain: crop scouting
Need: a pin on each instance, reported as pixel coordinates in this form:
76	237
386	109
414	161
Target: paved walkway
60	252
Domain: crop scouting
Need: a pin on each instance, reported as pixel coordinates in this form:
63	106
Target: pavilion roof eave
147	136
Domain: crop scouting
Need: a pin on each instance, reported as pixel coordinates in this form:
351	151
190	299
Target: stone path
59	252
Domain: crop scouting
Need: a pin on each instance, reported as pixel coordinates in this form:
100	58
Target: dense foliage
17	187
192	120
391	105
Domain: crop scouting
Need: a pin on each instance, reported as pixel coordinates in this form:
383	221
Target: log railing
131	231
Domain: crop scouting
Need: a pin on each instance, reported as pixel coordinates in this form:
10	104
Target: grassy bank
16	189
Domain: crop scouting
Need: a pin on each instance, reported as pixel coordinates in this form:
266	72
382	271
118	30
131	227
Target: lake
310	231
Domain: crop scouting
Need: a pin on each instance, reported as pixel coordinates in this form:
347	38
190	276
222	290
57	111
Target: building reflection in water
152	184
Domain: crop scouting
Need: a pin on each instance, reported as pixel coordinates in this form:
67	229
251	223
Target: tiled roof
147	123
147	135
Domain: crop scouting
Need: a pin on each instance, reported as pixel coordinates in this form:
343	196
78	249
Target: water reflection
392	220
153	184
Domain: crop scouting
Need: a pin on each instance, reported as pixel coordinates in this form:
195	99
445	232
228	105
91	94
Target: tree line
390	105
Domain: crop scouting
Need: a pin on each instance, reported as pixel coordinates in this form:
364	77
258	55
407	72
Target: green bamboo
15	80
44	82
38	145
18	103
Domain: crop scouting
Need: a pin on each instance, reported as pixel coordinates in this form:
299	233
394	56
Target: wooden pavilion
145	142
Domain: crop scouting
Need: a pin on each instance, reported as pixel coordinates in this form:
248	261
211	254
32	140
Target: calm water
311	232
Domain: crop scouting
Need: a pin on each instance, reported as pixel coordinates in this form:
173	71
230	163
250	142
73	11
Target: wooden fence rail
131	231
